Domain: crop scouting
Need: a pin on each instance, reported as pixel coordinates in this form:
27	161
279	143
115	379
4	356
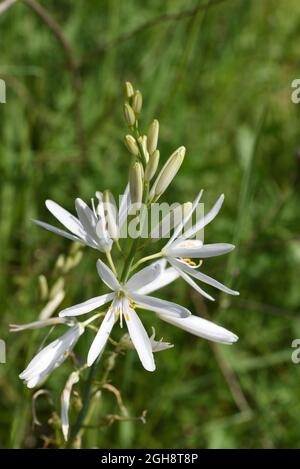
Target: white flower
124	299
51	357
180	249
90	228
65	402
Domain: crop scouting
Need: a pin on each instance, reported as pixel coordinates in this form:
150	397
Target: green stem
145	259
111	262
86	402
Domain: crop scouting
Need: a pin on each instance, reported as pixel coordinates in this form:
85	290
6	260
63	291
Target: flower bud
136	184
153	136
137	102
142	140
129	91
132	145
110	210
129	114
152	166
167	173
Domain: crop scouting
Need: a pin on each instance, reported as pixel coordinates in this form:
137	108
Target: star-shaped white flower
124	299
90	228
134	293
180	249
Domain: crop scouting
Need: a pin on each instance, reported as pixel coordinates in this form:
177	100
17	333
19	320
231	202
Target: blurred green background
218	76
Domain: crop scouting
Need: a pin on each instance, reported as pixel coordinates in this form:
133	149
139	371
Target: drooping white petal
140	339
107	276
51	357
102	336
58	231
37	324
202	328
87	306
65	402
203	252
66	218
144	276
206	219
191	282
204	278
185	220
160	306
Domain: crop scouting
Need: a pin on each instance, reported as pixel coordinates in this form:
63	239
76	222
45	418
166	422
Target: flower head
181	249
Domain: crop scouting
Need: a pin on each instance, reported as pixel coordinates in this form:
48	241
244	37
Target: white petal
166	277
144	277
202	328
206	219
205	278
101	338
63	233
185	220
140	339
87	306
65	402
65	218
160	306
207	250
191	282
87	218
51	357
107	276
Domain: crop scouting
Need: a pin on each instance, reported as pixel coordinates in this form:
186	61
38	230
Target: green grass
218	79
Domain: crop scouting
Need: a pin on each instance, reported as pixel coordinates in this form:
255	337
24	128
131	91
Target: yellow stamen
127	317
189	262
117	314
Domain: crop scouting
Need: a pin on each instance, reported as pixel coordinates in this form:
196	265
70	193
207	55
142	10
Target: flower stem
111	262
86	402
145	259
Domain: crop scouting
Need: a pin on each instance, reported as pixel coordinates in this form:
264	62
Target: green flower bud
152	165
129	114
132	145
142	140
153	136
136	184
137	102
167	173
129	91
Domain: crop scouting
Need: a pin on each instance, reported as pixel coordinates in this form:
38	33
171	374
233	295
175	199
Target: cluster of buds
146	154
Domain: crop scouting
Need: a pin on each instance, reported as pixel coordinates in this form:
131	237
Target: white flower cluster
129	289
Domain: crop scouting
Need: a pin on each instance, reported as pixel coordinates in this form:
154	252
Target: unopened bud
142	140
137	102
136	184
110	210
129	91
152	166
167	173
153	136
132	145
129	114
